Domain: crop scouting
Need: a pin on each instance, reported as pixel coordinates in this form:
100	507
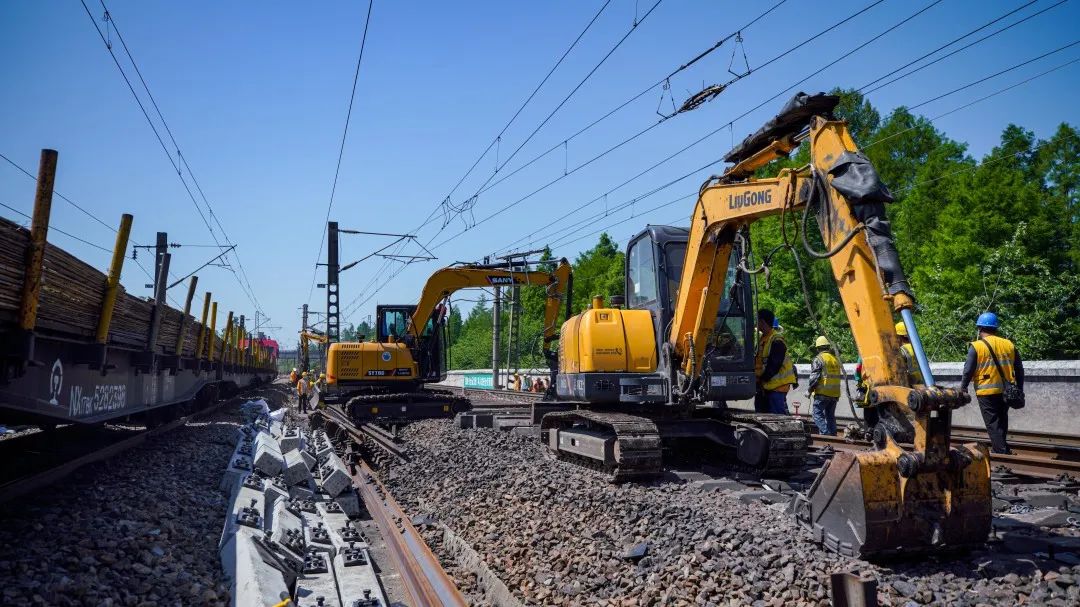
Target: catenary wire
566	99
730	123
341	149
961	49
622	105
656	124
56	229
814	36
245	284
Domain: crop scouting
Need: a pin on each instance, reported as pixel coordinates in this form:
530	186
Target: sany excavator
305	351
385	378
650	378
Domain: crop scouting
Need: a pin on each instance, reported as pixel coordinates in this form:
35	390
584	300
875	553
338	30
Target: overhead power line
976	101
835	25
341	150
56	229
179	163
59	195
521	108
566	99
864	89
730	124
995	74
564	143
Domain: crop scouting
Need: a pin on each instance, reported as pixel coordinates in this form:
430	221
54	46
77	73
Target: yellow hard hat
322	376
901	329
305	374
822	342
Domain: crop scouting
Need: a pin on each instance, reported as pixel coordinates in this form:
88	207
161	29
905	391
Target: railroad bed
553	533
140	528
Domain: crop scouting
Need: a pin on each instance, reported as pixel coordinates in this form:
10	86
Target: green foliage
1000	233
353	332
471	349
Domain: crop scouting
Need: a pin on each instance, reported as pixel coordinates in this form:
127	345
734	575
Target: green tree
598	271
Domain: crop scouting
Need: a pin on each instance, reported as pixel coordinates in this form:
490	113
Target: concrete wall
1052	388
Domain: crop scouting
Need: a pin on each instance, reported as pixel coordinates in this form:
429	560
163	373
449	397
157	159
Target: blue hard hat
988	320
776	323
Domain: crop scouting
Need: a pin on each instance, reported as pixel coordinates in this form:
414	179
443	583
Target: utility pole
333	319
300	349
496	313
161	277
511	345
514	262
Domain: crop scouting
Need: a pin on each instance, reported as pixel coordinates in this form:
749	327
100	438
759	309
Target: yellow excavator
385	378
650	378
305	351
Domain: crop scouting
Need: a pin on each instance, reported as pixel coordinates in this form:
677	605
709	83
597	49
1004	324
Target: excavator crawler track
789	441
406	406
636	451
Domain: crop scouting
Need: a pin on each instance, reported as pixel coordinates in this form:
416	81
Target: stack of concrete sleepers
288	535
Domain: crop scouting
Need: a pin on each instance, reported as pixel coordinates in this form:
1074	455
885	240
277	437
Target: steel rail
1046	463
364	433
422	576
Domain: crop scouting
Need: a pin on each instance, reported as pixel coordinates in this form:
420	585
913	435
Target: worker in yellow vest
303	392
907	354
993	364
824	386
772	367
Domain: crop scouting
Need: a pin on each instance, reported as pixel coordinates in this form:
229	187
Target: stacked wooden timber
71	296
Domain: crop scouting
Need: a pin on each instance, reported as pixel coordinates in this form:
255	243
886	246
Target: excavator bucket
861	505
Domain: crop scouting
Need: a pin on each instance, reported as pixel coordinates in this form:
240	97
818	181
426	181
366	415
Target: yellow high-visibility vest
829	383
987	379
914	372
785	377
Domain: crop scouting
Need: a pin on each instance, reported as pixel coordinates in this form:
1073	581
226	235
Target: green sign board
480	381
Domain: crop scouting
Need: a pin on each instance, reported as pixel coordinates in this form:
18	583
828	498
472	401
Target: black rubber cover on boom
792	118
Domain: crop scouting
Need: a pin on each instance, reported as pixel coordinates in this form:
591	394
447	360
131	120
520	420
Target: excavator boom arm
446	281
725	208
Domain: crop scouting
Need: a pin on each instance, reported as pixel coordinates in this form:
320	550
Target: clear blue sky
256	95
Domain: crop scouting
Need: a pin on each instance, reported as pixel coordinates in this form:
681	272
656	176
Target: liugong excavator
647	378
385	378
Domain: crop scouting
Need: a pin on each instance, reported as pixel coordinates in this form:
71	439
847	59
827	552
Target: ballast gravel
557	534
138	530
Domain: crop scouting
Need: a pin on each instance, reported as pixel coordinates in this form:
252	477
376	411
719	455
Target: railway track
364	434
422	576
1030	458
1039	454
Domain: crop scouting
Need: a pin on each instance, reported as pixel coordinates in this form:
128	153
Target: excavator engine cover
862	504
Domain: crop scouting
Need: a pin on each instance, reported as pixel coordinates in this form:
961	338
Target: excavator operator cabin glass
728	339
641	268
674	255
393	323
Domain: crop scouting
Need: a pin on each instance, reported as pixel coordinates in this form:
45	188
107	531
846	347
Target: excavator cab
654	266
428	349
